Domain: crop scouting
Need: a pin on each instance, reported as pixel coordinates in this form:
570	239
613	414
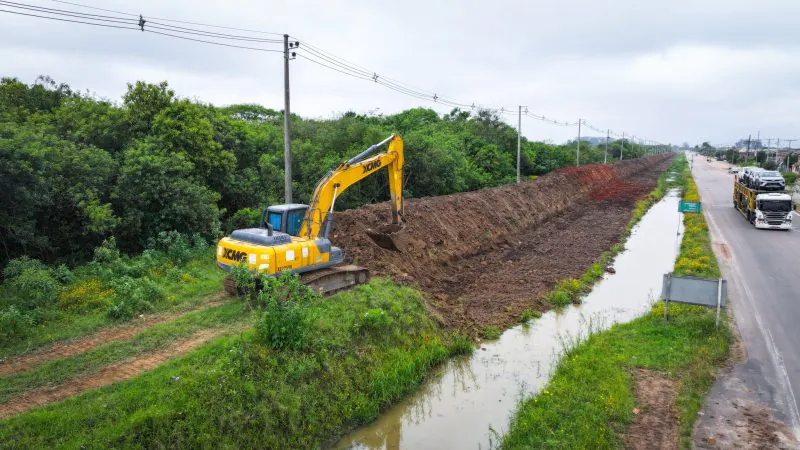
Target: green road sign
689	207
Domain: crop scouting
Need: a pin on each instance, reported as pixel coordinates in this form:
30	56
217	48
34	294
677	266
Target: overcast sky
671	71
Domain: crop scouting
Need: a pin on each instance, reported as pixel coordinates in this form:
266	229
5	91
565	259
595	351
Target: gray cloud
670	71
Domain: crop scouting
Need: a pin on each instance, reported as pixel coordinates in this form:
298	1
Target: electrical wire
150	24
68	20
313	53
212	42
168	20
106	21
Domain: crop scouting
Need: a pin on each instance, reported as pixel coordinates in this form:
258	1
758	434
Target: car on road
733	169
768	180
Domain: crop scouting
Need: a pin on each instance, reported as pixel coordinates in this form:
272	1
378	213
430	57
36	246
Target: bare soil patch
486	256
656	424
18	364
113	373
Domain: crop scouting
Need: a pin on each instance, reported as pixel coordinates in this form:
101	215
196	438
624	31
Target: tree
156	192
143	101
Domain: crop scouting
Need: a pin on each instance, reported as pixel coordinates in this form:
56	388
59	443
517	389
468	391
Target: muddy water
467	403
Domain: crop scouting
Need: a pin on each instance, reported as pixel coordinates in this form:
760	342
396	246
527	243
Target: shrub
16	267
85	295
287	319
63	275
14	324
133	296
177	246
30	283
790	178
107	252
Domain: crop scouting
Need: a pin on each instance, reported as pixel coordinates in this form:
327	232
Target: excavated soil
486	256
656	424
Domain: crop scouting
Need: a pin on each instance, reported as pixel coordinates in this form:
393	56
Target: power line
135	22
68	20
313	53
214	43
168	20
136	25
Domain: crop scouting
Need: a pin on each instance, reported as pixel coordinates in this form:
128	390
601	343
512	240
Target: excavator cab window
286	218
294	221
275	219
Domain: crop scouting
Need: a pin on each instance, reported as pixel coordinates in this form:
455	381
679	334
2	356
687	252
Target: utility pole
605	155
519	141
578	152
622	146
287	135
747	155
789	152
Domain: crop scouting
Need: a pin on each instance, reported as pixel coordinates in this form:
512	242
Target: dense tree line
75	169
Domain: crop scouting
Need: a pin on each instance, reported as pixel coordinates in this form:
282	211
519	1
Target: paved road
763	271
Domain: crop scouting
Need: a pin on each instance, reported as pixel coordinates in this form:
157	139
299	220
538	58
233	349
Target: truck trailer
770	210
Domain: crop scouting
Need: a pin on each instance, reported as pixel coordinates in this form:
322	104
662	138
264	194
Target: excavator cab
286	218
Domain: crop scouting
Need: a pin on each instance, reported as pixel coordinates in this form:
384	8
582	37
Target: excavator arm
319	217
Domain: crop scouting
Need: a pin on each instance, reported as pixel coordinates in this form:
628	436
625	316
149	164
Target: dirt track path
18	364
120	371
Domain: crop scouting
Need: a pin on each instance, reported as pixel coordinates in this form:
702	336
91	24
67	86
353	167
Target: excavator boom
319	217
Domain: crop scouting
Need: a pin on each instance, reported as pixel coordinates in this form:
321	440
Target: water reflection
467	402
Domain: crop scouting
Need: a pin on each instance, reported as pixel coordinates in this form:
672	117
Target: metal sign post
694	291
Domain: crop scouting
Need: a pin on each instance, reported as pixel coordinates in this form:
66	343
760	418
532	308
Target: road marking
772	349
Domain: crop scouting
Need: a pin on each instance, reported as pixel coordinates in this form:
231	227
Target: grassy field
41	305
589	401
149	340
327	366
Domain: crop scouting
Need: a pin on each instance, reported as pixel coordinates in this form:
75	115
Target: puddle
467	402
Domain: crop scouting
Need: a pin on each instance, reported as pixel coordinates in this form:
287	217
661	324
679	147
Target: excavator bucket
390	237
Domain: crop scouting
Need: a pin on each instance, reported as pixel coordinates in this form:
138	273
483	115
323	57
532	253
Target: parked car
733	169
768	180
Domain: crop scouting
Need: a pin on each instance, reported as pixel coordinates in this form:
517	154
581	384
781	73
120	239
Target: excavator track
324	281
334	279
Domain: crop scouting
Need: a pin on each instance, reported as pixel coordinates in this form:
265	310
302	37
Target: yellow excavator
294	237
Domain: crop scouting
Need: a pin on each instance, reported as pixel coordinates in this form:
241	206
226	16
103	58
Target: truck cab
773	210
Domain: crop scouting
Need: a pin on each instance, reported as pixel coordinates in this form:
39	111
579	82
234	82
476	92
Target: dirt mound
445	236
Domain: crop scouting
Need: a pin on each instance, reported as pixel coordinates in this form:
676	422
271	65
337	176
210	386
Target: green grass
199	278
490	333
372	345
588	402
60	370
590	398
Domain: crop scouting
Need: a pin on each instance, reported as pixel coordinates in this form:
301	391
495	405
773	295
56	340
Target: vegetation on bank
41	304
308	371
589	401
